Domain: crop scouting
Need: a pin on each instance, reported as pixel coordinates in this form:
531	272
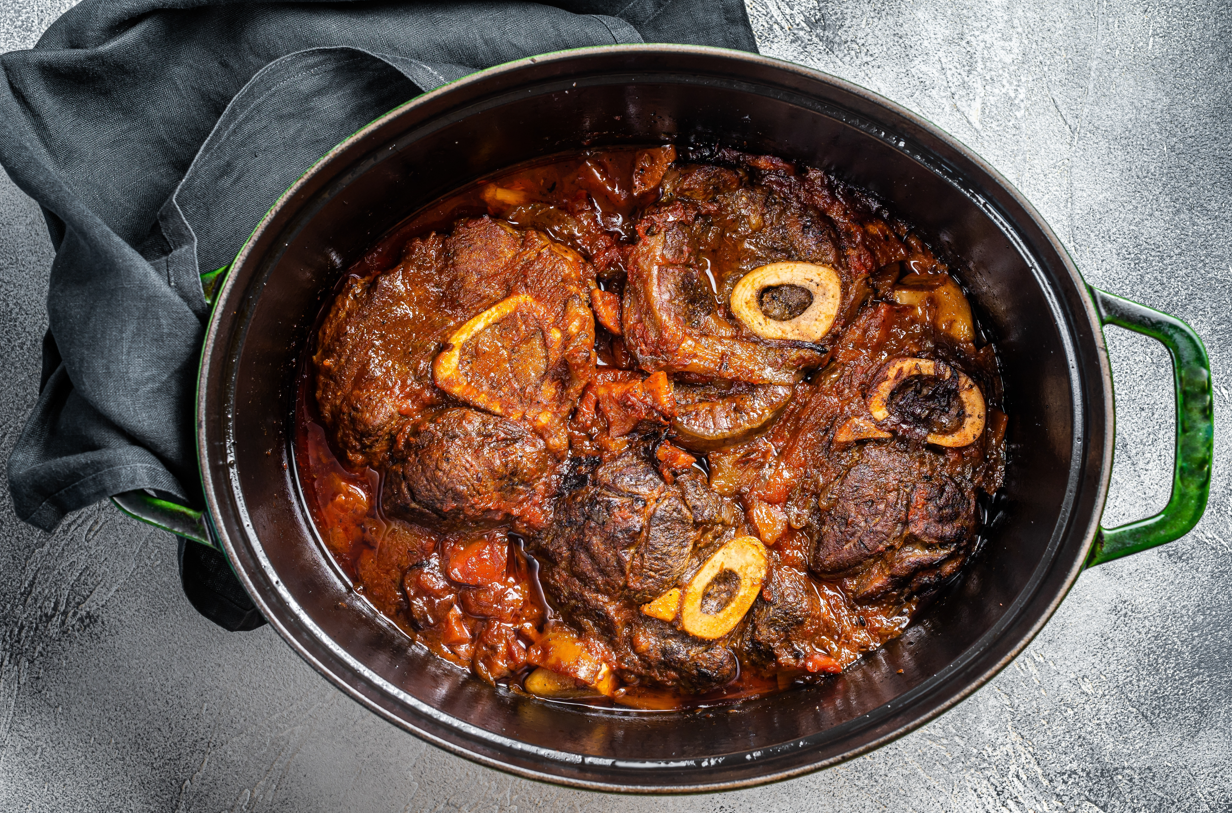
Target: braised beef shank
714	224
469	381
620	541
377	346
466	467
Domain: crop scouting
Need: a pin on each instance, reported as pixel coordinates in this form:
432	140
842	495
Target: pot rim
214	498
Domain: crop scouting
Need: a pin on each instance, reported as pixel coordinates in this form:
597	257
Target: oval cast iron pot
1043	318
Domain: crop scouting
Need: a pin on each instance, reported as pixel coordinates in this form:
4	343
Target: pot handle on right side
1195	430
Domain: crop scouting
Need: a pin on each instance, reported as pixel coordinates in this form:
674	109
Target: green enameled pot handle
1195	430
178	519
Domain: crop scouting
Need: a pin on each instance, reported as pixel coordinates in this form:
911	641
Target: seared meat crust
668	656
376	347
714	224
785	620
469	468
896	504
627	534
869	513
618	542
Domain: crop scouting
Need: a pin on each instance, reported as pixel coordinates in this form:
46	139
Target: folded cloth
154	134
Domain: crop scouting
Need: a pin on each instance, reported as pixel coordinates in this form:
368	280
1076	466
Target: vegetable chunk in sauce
660	430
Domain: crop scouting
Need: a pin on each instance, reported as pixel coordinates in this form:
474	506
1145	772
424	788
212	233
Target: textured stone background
1112	117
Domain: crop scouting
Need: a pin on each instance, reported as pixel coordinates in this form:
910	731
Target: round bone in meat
896	371
449	367
821	282
744	556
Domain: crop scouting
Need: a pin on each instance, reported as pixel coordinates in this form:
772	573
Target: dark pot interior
1025	290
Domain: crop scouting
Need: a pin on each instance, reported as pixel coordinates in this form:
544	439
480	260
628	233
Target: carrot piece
820	662
606	306
673	457
477	562
659	387
769	520
454	630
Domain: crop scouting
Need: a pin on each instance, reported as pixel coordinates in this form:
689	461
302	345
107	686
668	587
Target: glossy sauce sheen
475	598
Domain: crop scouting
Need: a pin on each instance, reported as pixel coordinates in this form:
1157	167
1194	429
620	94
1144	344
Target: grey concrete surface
1112	117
